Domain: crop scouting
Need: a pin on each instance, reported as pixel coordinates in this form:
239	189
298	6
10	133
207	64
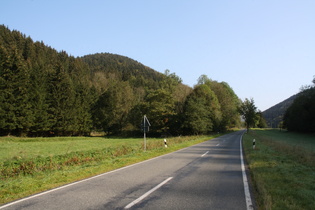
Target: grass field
282	168
32	165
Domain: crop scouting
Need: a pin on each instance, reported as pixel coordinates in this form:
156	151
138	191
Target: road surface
205	176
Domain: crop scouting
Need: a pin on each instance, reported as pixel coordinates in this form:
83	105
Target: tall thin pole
145	141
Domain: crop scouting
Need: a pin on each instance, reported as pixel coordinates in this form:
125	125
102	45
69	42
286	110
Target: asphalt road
204	176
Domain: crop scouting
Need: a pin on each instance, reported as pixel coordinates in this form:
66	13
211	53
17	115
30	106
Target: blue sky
264	49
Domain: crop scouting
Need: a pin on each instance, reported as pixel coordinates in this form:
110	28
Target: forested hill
274	115
122	68
45	92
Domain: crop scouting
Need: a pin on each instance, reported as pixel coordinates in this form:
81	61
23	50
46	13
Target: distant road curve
209	175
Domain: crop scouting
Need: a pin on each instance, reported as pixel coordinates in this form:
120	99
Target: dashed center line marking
217	145
205	153
147	193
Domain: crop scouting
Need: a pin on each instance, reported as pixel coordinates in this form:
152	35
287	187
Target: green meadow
32	165
282	168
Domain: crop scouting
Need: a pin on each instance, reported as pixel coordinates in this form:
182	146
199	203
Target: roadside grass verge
33	165
282	168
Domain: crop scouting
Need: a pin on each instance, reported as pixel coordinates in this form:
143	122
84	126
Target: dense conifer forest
49	93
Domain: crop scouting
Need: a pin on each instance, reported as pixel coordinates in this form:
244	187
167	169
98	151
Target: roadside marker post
254	143
165	143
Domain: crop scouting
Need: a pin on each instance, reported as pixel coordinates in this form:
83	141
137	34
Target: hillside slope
274	115
112	67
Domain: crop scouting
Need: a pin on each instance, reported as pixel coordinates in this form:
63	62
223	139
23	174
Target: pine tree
17	115
40	102
62	99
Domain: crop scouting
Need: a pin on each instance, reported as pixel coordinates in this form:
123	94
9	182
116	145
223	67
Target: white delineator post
254	143
165	143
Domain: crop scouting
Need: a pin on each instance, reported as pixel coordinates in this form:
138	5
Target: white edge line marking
248	199
147	193
205	153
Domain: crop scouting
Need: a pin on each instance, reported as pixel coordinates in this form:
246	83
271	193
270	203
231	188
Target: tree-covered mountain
274	115
45	92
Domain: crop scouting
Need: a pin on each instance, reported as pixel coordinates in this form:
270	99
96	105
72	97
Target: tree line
300	116
45	93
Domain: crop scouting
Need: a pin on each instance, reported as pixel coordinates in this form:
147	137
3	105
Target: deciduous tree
248	110
202	111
